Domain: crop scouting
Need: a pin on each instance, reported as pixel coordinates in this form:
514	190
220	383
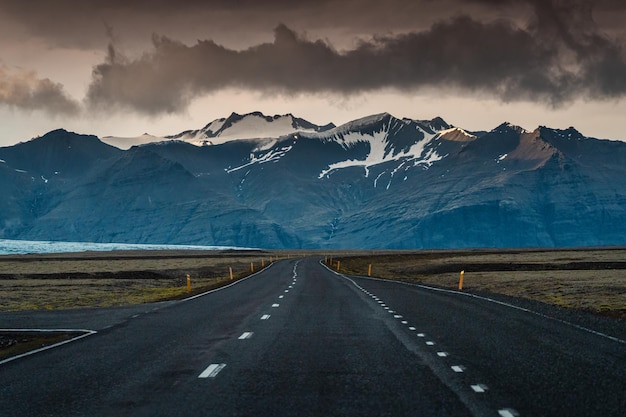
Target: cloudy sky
119	67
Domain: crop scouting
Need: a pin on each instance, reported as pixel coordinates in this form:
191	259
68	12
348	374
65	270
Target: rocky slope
377	182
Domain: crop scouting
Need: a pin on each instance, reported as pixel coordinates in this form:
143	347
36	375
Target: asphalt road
300	340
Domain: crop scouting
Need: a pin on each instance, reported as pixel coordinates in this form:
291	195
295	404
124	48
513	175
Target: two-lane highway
300	340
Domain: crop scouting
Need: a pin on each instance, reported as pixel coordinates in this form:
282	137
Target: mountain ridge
376	182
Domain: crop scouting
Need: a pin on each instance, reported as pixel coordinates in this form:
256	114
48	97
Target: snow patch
255	126
456	134
378	141
272	156
126	143
249	126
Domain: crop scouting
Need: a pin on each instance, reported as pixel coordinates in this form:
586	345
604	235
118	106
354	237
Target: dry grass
591	280
103	279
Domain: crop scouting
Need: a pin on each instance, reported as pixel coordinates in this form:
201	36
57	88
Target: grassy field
593	280
33	282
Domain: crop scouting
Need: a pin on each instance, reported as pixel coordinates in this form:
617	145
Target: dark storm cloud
23	90
79	23
560	55
551	51
83	24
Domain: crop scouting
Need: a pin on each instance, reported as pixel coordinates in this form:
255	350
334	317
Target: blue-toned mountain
376	182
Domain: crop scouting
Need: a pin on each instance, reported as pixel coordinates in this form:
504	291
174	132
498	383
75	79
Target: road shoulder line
227	286
55	345
491	300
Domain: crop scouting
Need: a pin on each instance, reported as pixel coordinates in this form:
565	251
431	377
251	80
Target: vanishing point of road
298	339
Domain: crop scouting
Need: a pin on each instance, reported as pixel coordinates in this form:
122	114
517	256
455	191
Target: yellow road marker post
461	280
369	270
188	283
230	269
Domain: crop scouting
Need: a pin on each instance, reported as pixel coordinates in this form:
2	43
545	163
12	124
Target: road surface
300	340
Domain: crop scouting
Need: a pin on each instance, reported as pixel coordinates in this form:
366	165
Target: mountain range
282	182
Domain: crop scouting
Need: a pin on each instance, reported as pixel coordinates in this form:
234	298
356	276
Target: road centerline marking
457	368
479	388
245	335
265	316
212	370
275	305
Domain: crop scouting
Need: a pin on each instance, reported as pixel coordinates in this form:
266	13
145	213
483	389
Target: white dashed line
480	388
275	305
265	316
404	322
212	370
281	296
286	290
245	335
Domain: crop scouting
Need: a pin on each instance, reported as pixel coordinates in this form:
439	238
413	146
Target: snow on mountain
406	141
248	126
456	134
385	183
367	142
253	125
126	143
271	155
